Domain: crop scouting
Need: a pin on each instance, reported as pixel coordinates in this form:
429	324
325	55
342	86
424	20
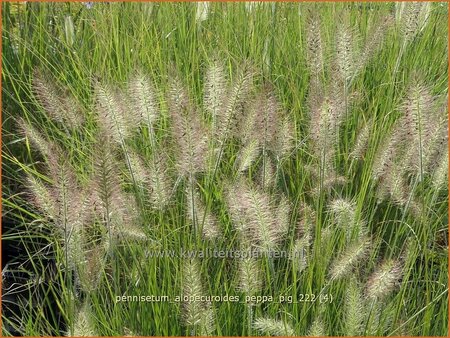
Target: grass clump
304	143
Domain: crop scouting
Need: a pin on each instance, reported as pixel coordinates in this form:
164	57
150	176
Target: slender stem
249	319
194	216
399	58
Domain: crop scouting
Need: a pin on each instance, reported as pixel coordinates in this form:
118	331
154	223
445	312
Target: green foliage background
110	41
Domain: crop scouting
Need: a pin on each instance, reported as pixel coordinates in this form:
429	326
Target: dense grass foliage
309	138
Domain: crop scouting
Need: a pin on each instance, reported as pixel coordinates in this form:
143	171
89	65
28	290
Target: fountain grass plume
273	327
159	181
362	141
317	328
250	276
83	325
111	106
143	99
237	92
198	316
354	309
314	46
189	131
347	260
384	279
59	104
35	137
215	91
253	212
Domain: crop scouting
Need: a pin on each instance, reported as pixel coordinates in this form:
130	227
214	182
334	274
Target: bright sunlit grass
225	169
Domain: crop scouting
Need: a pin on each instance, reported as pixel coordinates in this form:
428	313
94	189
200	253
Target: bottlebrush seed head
60	105
300	253
90	270
143	99
413	17
247	155
362	141
384	280
195	313
273	327
354	309
42	197
202	11
317	328
215	91
111	107
36	139
440	175
250	276
189	133
159	182
83	325
345	262
267	174
314	44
